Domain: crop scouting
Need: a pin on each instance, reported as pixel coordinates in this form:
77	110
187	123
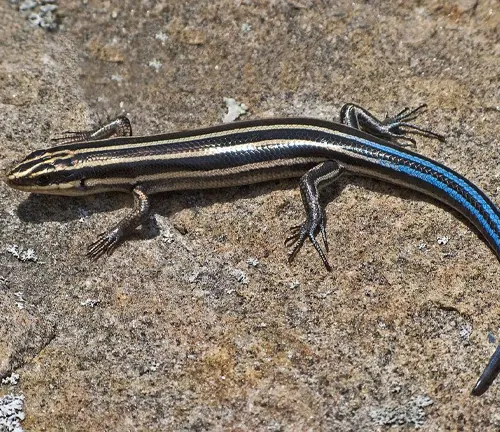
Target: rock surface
199	322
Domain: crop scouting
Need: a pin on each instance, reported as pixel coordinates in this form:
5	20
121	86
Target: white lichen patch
11	413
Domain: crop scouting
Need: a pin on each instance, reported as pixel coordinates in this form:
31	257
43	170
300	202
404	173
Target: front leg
310	183
118	127
107	241
392	128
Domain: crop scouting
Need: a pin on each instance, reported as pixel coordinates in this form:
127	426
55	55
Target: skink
317	151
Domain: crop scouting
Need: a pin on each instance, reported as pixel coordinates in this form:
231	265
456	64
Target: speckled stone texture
198	322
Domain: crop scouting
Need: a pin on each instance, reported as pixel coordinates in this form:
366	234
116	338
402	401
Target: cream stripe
192	153
201	153
208	151
33	169
202	174
213	135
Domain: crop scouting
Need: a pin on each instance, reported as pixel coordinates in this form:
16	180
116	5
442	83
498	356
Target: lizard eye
43	180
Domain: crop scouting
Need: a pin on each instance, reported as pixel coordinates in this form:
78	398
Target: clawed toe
105	244
299	235
68	137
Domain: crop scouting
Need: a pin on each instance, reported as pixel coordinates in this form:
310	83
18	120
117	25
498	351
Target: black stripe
200	163
225	178
280	130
